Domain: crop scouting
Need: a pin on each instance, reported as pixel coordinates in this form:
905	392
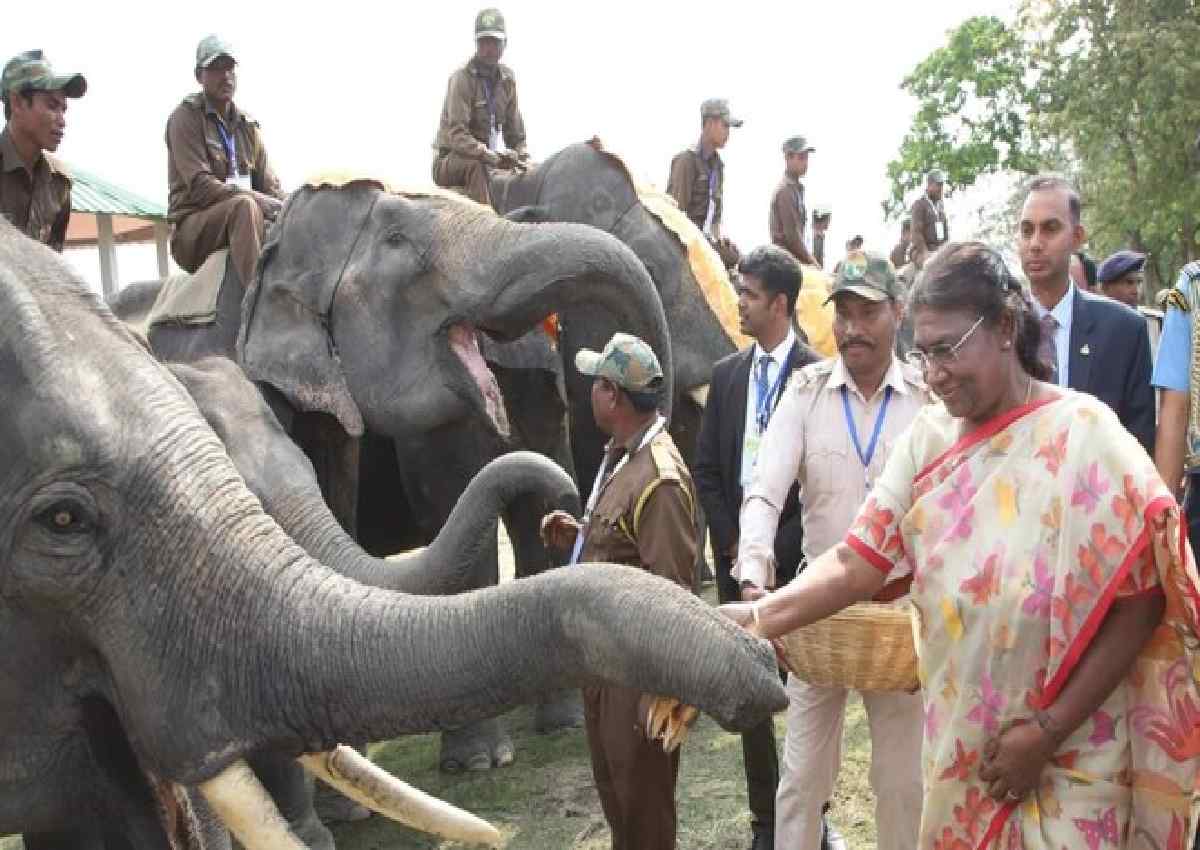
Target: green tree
1105	90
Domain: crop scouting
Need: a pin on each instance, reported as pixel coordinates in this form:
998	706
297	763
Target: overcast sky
353	85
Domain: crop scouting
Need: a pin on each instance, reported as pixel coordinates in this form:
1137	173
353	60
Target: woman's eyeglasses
942	355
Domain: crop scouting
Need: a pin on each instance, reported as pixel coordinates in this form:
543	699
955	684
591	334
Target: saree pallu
1021	535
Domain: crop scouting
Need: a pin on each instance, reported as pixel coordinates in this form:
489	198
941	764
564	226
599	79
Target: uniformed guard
788	217
641	512
1177	376
1121	277
481	125
822	217
35	189
899	255
697	179
221	188
930	229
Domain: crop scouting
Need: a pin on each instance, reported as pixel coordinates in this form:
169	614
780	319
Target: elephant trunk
582	274
454	562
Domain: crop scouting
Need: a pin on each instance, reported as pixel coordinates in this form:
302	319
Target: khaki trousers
235	223
635	778
812	754
452	171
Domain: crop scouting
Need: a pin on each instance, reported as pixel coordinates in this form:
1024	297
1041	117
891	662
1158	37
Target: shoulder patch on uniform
811	374
664	460
1174	298
913	375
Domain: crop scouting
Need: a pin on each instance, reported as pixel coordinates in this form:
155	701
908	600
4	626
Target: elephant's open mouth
464	342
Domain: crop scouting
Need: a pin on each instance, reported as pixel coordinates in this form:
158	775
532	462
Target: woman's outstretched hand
741	613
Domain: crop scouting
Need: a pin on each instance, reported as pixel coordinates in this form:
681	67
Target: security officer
641	512
481	125
788	217
220	183
697	179
930	230
1177	376
1120	277
35	190
899	255
822	217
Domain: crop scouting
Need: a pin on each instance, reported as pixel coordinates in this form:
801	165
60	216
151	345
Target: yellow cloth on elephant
813	314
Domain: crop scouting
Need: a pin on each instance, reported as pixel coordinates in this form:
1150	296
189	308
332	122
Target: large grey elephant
363	328
168	628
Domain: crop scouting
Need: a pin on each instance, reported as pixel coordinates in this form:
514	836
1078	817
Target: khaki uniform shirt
645	515
925	217
692	175
198	164
466	122
788	218
809	442
37	203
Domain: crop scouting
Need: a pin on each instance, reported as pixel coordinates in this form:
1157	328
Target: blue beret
1119	265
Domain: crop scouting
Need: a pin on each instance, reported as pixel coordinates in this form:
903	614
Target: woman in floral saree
1056	592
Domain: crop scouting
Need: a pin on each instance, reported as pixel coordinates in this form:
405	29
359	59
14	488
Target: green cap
626	361
490	24
867	274
210	48
32	70
797	144
718	107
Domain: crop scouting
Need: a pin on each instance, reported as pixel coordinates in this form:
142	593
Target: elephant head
368	303
198	632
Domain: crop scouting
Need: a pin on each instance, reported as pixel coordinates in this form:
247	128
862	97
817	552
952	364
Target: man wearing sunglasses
832	433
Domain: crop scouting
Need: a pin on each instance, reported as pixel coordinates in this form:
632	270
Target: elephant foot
564	710
480	746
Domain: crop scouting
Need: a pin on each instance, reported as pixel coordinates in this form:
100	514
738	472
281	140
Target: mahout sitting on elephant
169	629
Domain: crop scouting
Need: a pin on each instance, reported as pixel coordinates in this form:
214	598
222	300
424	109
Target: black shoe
764	839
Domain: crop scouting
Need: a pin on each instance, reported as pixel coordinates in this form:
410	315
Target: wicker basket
867	647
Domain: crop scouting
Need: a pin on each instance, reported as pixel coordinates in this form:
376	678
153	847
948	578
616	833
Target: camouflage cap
210	48
868	274
718	107
489	23
626	361
822	211
797	144
32	70
935	175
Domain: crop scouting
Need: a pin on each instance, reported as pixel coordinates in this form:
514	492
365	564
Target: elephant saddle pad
190	299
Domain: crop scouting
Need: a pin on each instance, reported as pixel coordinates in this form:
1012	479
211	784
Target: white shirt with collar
809	442
1062	313
751	438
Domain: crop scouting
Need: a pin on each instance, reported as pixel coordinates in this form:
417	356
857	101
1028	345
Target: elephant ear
284	339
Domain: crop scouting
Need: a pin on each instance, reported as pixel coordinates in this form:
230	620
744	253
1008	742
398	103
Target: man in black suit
1094	344
745	388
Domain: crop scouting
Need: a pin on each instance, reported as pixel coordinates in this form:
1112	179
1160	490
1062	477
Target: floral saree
1021	535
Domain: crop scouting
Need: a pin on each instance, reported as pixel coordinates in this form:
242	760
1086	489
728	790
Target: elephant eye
65	517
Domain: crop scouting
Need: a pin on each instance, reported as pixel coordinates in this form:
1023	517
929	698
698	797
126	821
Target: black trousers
760	758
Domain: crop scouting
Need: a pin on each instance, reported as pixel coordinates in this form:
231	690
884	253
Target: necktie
1047	350
762	387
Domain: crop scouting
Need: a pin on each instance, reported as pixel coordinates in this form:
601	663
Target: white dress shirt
751	438
1062	334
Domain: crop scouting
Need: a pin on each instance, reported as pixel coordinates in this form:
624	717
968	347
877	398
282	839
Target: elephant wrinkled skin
168	627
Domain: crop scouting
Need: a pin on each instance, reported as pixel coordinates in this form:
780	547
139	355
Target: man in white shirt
832	433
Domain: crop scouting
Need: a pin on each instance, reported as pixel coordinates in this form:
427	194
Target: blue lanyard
491	102
230	143
762	406
866	459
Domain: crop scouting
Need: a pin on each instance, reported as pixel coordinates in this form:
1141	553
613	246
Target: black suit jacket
717	470
1110	359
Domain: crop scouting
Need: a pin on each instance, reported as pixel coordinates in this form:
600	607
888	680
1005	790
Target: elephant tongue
464	342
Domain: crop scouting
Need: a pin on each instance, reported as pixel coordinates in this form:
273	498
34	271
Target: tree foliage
1106	90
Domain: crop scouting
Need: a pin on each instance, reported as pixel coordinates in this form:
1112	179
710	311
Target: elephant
169	629
363	329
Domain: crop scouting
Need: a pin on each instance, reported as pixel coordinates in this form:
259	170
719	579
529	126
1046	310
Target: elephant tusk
245	807
371	786
700	395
